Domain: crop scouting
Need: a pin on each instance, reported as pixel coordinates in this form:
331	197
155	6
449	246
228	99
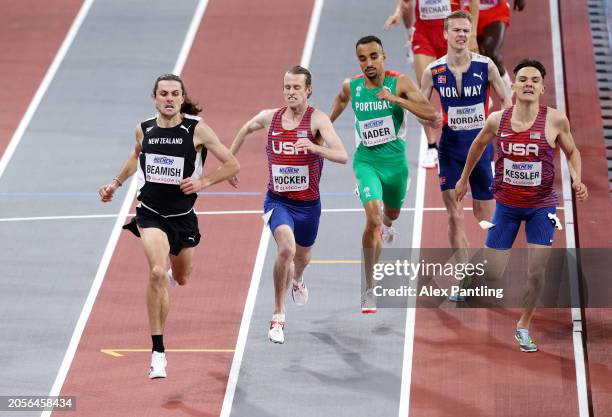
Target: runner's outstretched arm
498	85
333	149
568	146
341	100
205	136
260	121
127	170
410	98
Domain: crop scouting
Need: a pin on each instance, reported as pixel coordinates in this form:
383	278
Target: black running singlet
168	156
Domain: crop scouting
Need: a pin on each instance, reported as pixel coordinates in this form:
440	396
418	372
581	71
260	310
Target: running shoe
431	158
158	365
456	298
524	341
171	281
368	302
463	284
409	54
387	234
277	324
299	292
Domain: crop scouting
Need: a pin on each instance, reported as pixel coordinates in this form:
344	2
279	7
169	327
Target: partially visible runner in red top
299	137
428	43
493	20
527	135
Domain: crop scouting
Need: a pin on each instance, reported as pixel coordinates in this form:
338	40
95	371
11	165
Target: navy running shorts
451	166
301	216
507	220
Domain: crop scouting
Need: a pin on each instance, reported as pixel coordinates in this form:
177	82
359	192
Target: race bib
434	9
466	117
290	178
487	4
526	174
377	131
164	169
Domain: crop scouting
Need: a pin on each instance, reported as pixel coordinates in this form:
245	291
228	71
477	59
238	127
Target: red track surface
30	35
220	72
466	361
594	217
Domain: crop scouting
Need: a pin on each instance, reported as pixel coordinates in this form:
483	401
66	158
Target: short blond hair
457	14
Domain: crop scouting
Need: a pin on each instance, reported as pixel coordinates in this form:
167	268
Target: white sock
278	318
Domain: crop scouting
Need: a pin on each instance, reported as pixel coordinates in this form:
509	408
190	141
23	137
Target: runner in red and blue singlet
527	135
299	138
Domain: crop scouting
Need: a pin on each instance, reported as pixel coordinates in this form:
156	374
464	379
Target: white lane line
570	238
245	323
417	228
207	213
112	241
44	85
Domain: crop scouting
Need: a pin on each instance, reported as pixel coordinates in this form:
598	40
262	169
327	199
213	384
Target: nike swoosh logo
505	135
276	133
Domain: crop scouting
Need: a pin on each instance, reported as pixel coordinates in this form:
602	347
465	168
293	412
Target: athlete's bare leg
390	215
538	257
483	209
300	261
456	220
181	265
283	266
371	241
156	248
490	44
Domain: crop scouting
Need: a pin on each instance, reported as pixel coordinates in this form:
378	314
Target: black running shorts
182	231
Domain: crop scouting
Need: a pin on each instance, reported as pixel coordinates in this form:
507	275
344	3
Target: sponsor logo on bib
164	169
526	174
466	117
434	9
290	178
377	131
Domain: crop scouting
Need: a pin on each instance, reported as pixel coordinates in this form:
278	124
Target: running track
482	375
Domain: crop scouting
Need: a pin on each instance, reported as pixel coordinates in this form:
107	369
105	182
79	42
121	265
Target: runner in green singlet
379	98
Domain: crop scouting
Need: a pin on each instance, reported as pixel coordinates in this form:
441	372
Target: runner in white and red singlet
299	138
527	135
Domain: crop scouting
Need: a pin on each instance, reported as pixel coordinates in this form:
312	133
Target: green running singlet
379	162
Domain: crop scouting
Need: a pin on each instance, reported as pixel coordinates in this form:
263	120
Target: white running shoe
299	292
431	158
409	53
387	234
171	281
277	324
158	365
368	302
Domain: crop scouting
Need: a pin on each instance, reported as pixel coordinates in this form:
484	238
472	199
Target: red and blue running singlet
524	168
293	174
